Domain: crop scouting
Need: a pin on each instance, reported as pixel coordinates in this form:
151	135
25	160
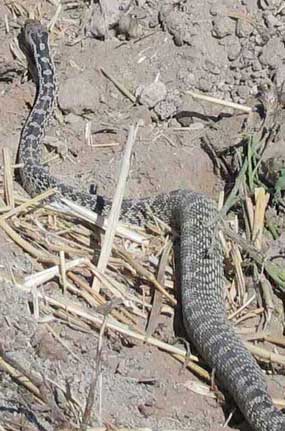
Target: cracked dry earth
221	48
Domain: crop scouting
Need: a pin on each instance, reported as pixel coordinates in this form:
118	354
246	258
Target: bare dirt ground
156	51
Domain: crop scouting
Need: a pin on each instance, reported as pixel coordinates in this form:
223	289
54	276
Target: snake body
201	256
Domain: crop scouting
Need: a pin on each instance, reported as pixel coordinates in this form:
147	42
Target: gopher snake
201	256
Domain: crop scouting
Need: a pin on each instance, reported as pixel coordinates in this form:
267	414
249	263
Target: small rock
78	95
168	107
47	347
271	21
173	123
152	94
177	23
75	121
248	55
204	84
101	21
222	27
272	53
165	109
186	78
280	75
256	66
211	67
243	91
233	48
244	29
129	27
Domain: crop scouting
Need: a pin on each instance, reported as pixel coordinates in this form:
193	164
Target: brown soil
188	45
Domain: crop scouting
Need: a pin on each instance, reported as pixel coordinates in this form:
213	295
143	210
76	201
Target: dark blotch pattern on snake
201	257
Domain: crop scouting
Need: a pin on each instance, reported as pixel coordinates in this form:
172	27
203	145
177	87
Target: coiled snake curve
201	256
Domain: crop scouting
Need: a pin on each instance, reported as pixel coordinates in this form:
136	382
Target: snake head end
31	35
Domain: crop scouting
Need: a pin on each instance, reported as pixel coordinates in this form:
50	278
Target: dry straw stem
119	85
25	245
279	341
261	202
41	277
267	297
28	204
272	270
96	377
97	320
17	9
59	339
8	179
192	366
265	354
19	375
54	19
240	309
62	268
100	302
210	99
237	261
91	217
33	383
249	315
146	274
158	296
116	205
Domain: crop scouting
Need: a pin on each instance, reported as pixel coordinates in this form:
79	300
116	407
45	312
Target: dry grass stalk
261	202
55	17
225	103
146	274
250	212
116	206
119	85
25	245
41	277
158	296
121	315
250	314
237	261
20	377
268	298
95	378
62	268
240	309
59	339
265	355
27	204
101	222
97	320
8	179
17	9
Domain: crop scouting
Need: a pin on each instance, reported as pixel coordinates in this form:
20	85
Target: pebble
280	75
273	53
168	107
204	84
235	48
222	27
151	94
243	91
78	95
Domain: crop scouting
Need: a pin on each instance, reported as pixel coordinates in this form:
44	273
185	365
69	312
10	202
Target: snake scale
201	256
